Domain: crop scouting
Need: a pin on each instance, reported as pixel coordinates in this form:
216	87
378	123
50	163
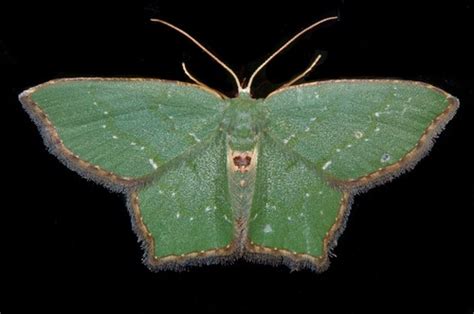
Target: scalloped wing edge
240	246
273	256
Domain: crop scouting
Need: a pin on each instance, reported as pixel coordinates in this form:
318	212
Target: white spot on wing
106	112
103	126
286	140
195	137
326	165
377	129
269	206
306	195
178	215
114	137
153	163
267	229
385	157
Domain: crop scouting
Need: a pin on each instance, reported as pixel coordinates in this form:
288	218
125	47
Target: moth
212	179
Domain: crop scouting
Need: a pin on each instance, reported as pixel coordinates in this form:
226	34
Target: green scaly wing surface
187	210
293	208
120	131
326	140
126	127
352	128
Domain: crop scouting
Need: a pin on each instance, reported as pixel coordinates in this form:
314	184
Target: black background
67	243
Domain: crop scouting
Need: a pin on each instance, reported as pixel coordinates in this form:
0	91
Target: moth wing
118	130
185	215
358	131
295	213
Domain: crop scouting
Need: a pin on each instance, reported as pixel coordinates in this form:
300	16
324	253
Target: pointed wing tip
453	102
23	95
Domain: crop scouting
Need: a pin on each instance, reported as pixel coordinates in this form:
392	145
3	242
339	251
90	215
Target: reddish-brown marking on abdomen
242	163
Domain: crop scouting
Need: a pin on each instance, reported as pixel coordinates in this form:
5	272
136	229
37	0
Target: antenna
249	85
236	79
299	77
198	82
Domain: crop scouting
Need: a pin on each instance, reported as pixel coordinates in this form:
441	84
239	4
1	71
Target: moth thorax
243	134
242	123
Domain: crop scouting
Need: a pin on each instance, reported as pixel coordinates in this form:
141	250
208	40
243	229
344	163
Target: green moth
210	178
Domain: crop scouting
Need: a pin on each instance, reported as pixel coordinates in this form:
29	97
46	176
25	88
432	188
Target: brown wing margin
227	254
